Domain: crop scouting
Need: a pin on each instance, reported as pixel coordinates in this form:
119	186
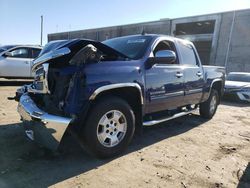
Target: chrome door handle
26	62
178	74
199	74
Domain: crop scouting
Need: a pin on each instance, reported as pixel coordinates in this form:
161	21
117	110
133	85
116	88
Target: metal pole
229	41
41	30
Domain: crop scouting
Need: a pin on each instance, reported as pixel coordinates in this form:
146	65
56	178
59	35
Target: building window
193	28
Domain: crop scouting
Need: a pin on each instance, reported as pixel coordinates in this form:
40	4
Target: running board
153	122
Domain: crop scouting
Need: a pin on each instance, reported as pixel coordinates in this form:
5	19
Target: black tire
90	131
206	110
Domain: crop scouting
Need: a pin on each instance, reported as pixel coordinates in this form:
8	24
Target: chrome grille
40	84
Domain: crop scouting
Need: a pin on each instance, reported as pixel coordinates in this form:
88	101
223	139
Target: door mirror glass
165	56
161	57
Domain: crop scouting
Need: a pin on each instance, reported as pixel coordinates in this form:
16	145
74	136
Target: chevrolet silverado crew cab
104	92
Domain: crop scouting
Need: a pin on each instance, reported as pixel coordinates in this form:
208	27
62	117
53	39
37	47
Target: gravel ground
186	152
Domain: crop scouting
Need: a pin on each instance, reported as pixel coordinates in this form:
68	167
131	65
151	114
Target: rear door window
35	52
188	55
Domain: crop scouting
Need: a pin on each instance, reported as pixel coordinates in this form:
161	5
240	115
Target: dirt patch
187	152
243	119
227	149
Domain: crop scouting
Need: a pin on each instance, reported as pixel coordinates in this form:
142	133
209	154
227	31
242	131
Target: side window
166	45
188	54
20	53
35	52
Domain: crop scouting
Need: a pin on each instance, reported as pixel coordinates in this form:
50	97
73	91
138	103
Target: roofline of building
211	14
108	27
148	22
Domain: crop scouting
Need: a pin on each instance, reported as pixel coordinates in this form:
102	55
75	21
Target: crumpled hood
71	47
236	85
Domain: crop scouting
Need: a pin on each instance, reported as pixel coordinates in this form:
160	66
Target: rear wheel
209	107
109	127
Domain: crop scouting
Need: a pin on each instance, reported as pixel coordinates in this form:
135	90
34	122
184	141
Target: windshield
6	47
239	77
132	46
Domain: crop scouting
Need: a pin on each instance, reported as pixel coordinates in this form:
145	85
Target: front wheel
109	127
209	107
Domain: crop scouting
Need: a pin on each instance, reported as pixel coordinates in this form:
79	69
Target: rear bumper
40	126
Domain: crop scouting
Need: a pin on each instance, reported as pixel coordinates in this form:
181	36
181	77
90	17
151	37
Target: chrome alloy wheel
111	128
213	104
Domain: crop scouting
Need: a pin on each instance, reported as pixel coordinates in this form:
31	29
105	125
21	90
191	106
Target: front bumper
44	128
238	95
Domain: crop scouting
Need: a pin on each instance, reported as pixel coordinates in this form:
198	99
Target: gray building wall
230	40
100	34
239	46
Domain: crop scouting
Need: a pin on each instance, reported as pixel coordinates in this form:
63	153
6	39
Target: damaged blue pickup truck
104	92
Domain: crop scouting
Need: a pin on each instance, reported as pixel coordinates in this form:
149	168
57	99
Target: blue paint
161	88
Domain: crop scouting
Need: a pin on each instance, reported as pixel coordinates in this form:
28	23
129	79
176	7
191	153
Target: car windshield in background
133	46
239	77
53	45
6	47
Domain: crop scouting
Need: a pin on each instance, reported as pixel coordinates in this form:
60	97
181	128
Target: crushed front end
41	110
46	129
56	99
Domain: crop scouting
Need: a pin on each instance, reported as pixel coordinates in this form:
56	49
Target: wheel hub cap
213	104
111	128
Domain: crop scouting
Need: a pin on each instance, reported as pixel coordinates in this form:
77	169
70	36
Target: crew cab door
193	73
16	63
164	82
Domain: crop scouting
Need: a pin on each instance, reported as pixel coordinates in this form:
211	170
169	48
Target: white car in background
237	86
16	62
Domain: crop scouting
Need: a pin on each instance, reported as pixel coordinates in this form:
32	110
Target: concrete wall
238	48
100	34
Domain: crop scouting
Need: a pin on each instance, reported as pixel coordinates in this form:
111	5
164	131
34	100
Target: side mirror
161	57
165	56
8	54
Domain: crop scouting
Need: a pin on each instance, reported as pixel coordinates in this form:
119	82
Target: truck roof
172	38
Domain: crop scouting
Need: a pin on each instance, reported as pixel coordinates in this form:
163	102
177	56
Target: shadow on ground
235	103
23	164
245	178
14	82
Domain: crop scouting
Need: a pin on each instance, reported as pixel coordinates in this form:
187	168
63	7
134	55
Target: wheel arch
217	84
130	92
112	87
